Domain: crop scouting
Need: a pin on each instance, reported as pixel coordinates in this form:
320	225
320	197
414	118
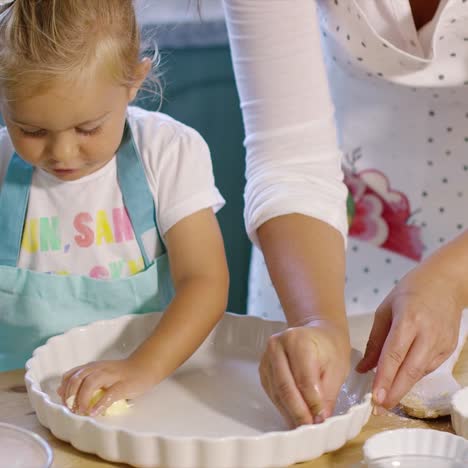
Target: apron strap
14	196
137	196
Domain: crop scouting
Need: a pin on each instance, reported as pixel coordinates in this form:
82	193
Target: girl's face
69	131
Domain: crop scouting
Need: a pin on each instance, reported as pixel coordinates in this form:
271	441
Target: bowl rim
413	456
44	445
405	430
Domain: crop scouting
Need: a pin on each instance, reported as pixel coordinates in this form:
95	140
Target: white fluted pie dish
211	413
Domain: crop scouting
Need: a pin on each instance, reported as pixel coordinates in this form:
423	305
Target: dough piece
116	409
416	407
430	398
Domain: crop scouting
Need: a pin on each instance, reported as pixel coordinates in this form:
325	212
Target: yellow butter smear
117	408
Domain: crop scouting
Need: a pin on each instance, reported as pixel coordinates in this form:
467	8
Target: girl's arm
201	280
200	276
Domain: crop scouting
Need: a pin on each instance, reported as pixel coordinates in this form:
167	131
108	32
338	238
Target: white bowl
415	461
211	412
422	442
20	448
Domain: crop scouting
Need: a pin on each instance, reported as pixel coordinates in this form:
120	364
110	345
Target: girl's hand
303	368
119	380
415	330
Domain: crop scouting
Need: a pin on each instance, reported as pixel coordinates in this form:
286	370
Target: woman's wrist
450	265
305	259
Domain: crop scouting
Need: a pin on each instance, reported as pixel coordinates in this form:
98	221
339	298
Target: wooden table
15	409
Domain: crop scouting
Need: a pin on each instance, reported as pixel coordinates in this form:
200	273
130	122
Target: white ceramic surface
212	412
459	412
416	442
20	448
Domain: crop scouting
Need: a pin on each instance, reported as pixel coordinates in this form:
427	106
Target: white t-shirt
81	227
400	101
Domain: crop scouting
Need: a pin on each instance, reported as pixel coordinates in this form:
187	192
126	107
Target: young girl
100	203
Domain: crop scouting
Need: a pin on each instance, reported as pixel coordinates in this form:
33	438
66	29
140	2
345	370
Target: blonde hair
45	40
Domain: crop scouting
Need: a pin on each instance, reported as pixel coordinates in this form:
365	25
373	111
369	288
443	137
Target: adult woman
393	71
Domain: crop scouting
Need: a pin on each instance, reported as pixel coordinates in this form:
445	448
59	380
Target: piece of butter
117	408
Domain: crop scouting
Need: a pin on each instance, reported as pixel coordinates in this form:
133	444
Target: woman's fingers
284	389
377	337
265	377
399	341
304	361
302	371
413	368
332	382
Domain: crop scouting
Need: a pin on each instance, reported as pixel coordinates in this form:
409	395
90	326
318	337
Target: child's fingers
90	384
73	384
69	373
61	390
113	393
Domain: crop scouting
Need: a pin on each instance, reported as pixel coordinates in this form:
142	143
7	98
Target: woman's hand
303	368
415	330
119	380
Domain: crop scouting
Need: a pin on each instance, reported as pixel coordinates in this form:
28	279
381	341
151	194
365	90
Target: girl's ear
143	68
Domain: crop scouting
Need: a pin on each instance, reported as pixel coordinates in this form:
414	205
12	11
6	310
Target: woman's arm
306	264
295	197
293	161
304	368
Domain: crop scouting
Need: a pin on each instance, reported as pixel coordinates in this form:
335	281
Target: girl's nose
64	148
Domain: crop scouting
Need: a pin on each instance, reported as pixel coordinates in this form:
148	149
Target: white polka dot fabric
401	100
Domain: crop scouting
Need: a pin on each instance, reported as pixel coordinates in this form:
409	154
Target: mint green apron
35	306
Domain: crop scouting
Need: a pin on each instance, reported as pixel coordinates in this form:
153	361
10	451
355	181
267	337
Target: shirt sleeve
293	164
179	169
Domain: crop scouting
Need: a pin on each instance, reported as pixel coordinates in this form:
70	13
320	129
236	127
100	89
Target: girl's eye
89	132
35	133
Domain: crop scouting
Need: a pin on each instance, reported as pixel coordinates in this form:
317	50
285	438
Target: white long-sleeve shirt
293	160
400	100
